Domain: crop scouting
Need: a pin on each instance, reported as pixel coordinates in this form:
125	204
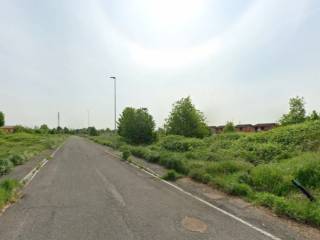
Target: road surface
84	193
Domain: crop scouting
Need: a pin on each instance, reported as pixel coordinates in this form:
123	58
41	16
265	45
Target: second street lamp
115	102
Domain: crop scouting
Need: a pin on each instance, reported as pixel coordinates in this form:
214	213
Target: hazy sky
239	60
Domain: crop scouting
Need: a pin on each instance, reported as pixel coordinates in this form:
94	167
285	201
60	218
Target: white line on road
150	172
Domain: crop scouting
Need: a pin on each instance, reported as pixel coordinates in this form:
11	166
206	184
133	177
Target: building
7	129
247	128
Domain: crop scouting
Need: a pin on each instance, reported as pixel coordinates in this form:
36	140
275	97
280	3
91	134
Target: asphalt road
83	193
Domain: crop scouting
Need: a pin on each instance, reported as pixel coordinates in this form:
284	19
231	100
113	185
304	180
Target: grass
256	166
8	189
17	148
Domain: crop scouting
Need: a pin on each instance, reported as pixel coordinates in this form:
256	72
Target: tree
229	128
186	120
136	125
313	116
92	131
1	119
297	112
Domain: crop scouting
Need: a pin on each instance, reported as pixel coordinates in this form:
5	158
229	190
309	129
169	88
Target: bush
180	144
186	120
227	167
309	173
172	161
7	189
240	189
126	154
270	178
5	166
200	175
136	126
171	175
17	159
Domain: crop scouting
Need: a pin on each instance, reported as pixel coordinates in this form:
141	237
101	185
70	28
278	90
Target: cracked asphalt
83	193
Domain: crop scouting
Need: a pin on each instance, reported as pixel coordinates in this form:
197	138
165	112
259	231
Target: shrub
309	173
17	159
5	166
227	167
186	120
180	144
171	175
136	126
270	178
126	154
7	189
173	161
200	175
239	189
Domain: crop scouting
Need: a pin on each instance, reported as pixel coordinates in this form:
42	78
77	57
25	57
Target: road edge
29	176
155	175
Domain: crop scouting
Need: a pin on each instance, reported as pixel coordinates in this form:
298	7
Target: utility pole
88	118
58	119
115	102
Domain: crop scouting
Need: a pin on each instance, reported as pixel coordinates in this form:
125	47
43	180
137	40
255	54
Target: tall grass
17	148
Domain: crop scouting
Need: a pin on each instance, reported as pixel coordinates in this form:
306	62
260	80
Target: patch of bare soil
194	225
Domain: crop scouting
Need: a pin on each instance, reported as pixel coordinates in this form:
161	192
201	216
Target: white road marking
150	172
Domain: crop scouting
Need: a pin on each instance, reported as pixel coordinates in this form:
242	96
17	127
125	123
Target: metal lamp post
115	102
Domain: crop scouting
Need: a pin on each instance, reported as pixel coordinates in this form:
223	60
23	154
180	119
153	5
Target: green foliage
126	154
136	126
186	120
256	166
180	144
297	112
309	173
7	191
227	167
171	175
92	131
314	116
5	166
229	128
17	148
17	159
173	161
270	178
2	121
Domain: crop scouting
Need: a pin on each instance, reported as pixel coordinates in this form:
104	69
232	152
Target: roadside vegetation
8	191
259	167
19	147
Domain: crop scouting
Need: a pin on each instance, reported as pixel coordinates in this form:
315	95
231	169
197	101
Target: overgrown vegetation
17	148
8	190
257	166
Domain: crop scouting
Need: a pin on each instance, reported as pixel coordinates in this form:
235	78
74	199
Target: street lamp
115	102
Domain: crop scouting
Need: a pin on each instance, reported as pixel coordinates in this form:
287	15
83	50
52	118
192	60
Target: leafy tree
66	130
313	116
136	125
92	131
229	128
186	120
44	128
297	112
1	119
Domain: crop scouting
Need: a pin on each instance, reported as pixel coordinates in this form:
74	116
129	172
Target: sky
238	60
